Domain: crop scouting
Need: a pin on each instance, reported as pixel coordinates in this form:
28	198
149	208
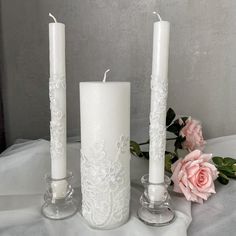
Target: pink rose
192	131
194	176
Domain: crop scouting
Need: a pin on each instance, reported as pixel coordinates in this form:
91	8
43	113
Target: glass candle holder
60	202
155	203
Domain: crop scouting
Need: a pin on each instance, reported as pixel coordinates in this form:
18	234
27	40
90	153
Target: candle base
59	199
156	212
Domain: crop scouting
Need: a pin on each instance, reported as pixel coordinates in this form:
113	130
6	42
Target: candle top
105	75
53	17
102	83
159	18
158	15
113	85
108	86
55	20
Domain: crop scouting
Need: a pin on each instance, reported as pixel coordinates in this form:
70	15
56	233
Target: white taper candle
57	90
159	92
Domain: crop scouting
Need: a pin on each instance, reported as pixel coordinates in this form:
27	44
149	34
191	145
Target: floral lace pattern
157	130
105	185
57	125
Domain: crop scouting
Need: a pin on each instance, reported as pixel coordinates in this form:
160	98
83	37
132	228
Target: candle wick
53	17
105	75
158	15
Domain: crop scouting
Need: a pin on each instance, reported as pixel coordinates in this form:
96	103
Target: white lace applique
157	130
57	127
105	185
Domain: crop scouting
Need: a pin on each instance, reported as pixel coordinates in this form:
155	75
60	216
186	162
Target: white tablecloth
23	166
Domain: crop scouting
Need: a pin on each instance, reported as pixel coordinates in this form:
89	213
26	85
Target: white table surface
23	166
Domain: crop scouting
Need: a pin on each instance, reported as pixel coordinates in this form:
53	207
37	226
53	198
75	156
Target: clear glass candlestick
155	205
60	202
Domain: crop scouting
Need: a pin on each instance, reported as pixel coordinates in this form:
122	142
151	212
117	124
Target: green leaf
170	158
179	141
234	167
218	161
228	171
168	162
226	168
170	116
184	118
223	179
229	161
174	128
135	149
174	158
146	155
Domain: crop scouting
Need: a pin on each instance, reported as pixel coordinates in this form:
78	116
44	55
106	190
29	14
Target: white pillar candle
105	156
57	90
159	92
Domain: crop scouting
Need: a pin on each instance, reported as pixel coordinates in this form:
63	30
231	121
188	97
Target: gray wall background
117	34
